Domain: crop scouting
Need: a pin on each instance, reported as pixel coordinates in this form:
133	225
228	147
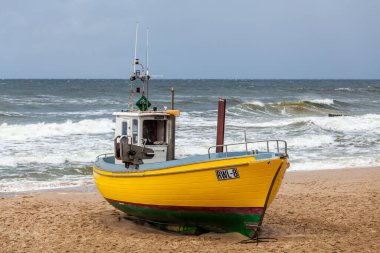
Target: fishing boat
221	190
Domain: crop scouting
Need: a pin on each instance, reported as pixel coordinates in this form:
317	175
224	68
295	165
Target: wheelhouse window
135	130
124	128
154	131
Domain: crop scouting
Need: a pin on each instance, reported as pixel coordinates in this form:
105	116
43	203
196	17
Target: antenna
134	74
147	51
135	60
147	63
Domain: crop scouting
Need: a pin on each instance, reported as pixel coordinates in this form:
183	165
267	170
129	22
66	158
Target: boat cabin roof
137	113
107	163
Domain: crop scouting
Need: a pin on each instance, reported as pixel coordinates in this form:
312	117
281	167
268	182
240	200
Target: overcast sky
191	39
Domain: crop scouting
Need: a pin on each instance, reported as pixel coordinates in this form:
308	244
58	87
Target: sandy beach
318	211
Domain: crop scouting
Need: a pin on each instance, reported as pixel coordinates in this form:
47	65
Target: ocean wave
11	114
42	130
310	141
368	123
364	123
256	103
57	113
269	124
294	108
373	88
321	103
46	100
325	101
77	113
344	89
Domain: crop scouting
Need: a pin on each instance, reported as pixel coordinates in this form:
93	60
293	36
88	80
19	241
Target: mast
138	73
147	63
136	60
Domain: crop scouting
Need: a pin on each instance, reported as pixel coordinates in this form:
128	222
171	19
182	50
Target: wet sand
319	211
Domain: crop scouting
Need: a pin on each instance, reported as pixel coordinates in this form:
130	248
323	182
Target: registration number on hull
227	174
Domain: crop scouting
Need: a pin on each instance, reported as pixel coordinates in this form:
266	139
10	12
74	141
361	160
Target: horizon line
127	79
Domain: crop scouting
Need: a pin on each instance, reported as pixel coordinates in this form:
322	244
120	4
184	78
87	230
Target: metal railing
105	155
284	147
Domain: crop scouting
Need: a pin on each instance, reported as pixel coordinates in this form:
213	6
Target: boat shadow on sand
279	226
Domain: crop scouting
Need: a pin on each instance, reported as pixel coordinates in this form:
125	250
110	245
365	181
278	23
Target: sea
51	131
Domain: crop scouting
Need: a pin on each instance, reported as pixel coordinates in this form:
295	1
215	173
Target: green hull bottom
191	220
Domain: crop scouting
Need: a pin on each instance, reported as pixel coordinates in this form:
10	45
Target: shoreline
90	187
321	211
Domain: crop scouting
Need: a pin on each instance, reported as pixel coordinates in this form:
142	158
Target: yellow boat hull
194	195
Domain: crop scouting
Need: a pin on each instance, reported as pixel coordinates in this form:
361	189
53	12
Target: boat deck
107	163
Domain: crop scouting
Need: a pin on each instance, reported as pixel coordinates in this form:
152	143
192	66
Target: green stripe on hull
213	221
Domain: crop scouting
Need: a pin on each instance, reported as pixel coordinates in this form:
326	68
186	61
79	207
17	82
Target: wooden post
172	104
171	148
171	138
220	124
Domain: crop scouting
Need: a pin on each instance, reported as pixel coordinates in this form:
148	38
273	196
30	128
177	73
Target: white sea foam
283	111
40	130
7	161
60	157
188	120
256	102
30	185
56	100
364	123
344	89
84	113
310	141
325	101
10	114
335	163
244	123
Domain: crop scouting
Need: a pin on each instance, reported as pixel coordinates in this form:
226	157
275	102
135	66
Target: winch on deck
144	136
